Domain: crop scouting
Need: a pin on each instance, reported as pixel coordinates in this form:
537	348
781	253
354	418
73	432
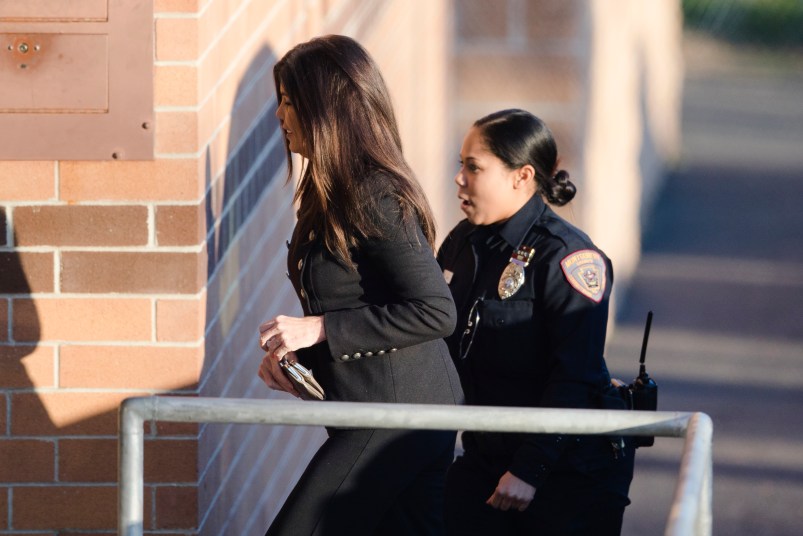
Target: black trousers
371	482
571	502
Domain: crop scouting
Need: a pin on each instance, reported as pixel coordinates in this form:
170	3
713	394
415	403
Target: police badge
512	277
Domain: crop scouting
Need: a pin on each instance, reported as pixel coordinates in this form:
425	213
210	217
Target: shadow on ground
722	269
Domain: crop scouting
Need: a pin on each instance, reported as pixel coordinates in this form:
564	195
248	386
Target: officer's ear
525	177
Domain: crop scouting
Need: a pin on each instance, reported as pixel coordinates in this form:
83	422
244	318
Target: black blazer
385	322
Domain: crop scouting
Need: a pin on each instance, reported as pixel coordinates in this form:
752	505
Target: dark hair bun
560	190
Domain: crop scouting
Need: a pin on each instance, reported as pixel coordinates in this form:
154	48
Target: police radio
644	390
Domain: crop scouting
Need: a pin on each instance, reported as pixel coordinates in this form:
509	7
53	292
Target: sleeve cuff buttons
358	355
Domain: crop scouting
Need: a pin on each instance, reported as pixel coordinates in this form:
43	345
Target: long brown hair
348	124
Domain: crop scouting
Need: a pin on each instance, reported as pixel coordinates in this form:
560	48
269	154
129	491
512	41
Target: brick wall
128	278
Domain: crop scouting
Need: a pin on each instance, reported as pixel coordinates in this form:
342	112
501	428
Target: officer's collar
514	229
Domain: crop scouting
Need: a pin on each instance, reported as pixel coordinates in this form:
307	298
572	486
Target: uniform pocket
509	328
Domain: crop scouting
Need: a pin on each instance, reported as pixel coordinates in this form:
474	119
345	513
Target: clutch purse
302	379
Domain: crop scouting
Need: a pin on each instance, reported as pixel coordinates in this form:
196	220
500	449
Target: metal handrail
691	508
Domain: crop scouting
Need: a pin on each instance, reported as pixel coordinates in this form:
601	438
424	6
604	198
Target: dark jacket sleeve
420	306
576	338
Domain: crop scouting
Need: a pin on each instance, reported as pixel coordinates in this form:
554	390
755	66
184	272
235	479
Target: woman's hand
511	492
285	334
271	373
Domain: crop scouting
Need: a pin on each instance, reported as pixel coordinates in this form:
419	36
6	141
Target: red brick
182	225
176	6
27	272
176	507
65	413
177	429
147	180
176	39
27	366
132	272
77	533
27	181
129	367
169	460
175	85
27	460
3	413
77	507
4	320
81	225
176	132
150	499
3	227
82	319
3	508
88	460
180	320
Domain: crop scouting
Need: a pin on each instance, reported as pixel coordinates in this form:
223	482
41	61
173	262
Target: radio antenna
642	368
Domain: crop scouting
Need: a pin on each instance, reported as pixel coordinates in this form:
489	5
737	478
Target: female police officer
532	297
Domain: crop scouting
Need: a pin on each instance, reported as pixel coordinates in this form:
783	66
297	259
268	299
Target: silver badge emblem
511	281
513	275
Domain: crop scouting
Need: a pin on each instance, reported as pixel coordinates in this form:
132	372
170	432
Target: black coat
384	322
541	347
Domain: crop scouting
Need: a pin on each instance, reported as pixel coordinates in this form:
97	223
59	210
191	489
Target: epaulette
561	229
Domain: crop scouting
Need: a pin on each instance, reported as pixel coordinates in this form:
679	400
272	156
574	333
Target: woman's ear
525	176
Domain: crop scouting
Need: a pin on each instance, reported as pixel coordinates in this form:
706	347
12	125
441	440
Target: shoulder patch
585	271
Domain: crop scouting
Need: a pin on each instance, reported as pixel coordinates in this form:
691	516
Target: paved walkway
722	270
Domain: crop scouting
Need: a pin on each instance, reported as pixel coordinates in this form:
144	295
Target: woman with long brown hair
376	306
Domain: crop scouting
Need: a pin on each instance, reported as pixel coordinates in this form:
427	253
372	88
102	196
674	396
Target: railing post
705	514
691	507
131	466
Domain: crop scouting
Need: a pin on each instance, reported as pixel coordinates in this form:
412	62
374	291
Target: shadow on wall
19	339
251	165
249	215
15	303
255	162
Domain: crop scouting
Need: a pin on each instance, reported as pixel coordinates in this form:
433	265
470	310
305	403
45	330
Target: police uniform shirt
541	347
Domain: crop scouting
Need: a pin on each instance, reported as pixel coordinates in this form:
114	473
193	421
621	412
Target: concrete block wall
129	278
